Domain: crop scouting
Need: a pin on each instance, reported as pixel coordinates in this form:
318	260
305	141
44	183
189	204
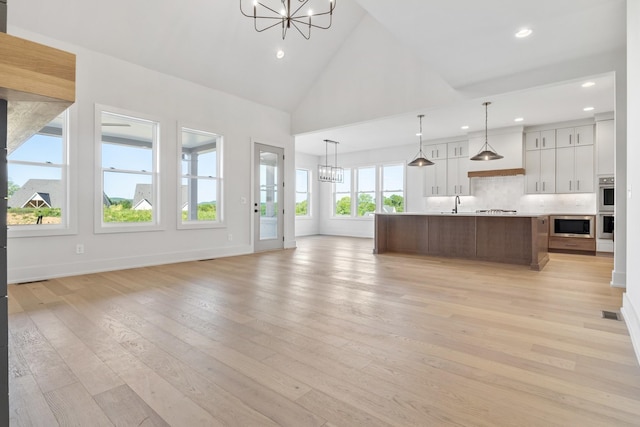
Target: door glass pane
268	195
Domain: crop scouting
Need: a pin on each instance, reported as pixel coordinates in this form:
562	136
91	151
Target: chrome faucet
456	202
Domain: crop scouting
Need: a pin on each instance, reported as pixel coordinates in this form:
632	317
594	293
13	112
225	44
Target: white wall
631	302
307	226
111	82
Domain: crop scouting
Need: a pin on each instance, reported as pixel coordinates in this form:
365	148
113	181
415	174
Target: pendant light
328	172
486	151
420	159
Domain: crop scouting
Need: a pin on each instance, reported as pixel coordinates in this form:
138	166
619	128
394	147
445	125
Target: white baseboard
631	316
618	279
51	271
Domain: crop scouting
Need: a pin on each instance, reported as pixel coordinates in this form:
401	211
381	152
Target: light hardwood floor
327	334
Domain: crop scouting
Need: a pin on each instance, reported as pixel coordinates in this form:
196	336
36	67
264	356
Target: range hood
496	172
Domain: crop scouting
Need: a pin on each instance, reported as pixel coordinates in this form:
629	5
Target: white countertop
468	214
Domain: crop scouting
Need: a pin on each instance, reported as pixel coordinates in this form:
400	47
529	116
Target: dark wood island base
513	239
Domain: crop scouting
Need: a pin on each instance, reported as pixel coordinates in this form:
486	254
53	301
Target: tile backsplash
507	192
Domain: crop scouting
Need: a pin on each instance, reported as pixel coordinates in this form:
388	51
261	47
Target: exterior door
268	203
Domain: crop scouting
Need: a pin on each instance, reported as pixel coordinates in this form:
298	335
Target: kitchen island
511	238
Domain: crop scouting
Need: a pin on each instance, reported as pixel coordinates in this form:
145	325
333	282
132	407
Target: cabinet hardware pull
578	185
536	142
569	139
536	186
543	186
578	139
569	185
544	142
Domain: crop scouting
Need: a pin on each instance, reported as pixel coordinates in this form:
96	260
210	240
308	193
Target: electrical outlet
79	248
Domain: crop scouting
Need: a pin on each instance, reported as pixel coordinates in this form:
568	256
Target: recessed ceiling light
465	127
280	54
588	108
419	134
518	119
525	32
588	84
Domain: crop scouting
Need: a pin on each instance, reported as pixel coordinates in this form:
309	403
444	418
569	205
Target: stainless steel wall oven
606	194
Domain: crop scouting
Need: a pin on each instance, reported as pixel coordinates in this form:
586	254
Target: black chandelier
287	16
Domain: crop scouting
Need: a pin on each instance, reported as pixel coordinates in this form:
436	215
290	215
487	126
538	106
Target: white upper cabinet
435	183
571	137
605	146
540	169
436	151
458	176
575	169
458	149
543	140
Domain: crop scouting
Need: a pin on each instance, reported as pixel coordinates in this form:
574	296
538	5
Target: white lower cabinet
457	176
435	183
575	169
540	169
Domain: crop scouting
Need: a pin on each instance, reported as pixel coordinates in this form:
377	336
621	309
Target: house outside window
37	180
128	162
303	193
200	178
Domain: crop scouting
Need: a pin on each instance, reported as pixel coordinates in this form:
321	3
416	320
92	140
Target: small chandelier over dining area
268	14
328	172
487	152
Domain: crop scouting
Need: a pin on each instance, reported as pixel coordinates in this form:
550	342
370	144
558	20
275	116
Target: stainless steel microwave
572	226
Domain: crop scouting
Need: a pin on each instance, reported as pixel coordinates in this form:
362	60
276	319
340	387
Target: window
342	195
377	188
303	193
37	171
128	159
200	177
393	188
366	191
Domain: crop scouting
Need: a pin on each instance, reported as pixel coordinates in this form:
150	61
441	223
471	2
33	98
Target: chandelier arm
255	26
307	36
291	15
268	8
299	21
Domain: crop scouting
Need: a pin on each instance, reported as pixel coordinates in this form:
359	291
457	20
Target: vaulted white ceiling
380	61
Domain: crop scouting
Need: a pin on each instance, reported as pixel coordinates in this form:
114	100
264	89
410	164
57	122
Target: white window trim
309	203
101	227
378	191
220	203
69	224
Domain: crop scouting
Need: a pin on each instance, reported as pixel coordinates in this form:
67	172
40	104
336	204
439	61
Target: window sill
200	225
17	232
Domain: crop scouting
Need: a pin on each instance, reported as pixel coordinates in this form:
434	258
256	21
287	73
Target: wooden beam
34	72
496	172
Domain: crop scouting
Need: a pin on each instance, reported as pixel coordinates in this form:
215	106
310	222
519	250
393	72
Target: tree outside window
302	192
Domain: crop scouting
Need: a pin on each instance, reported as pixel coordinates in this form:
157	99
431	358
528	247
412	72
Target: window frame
308	193
68	223
100	227
347	172
404	184
220	222
379	193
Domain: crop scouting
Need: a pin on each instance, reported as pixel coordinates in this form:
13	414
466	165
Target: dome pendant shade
486	151
487	155
421	159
